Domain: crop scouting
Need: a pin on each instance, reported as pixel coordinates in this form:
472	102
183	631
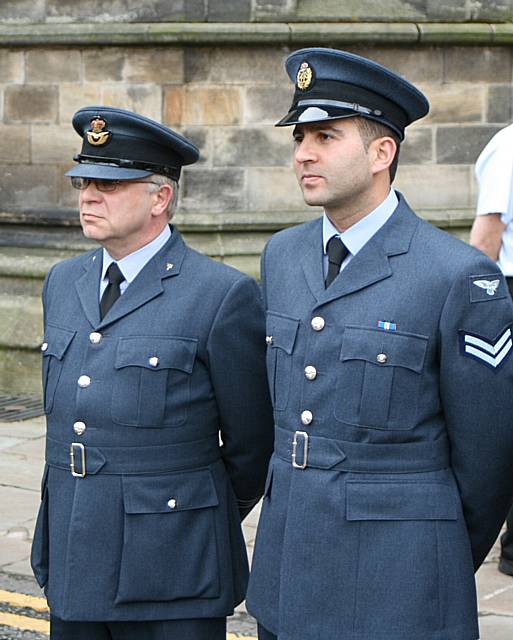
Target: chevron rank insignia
487	287
493	354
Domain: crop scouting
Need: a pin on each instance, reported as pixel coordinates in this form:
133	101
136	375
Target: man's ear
382	151
162	198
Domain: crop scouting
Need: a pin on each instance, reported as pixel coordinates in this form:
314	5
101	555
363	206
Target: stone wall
222	83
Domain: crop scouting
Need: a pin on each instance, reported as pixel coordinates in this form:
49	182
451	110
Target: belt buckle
305	449
81	447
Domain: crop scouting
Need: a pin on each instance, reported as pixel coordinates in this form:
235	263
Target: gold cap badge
97	136
304	76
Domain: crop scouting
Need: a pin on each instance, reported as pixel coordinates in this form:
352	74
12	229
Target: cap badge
304	76
97	136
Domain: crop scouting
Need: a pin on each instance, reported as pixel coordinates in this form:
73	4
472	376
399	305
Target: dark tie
112	292
337	252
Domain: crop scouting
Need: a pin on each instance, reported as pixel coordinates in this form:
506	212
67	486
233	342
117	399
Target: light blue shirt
131	264
357	236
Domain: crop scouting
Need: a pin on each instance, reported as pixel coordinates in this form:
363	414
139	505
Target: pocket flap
56	341
283	331
400	501
400	349
154	352
169	493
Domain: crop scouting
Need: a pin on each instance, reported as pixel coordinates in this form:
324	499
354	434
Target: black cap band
170	172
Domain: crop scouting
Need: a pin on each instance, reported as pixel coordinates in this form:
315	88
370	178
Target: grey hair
161	180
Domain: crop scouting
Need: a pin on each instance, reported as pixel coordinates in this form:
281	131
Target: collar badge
304	76
96	135
169	266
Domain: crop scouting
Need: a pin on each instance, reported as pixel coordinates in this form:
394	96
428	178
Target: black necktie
112	292
337	252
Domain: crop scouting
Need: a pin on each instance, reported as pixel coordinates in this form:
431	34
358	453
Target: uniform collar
362	231
132	264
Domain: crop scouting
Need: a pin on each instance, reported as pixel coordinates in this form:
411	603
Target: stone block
272	9
417	147
14	143
202	106
67	195
73	96
417	64
122	10
52	65
159	65
227	65
274	189
462	144
104	64
267	105
22	11
201	137
447	10
31	103
26	186
251	147
20	372
357	10
499	104
435	186
143	99
12	66
53	144
228	11
477	64
213	190
454	102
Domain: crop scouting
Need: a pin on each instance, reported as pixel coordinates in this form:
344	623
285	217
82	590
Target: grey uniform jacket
152	530
393	396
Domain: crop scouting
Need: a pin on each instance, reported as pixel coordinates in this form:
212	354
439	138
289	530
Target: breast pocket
379	378
169	541
55	345
151	385
281	337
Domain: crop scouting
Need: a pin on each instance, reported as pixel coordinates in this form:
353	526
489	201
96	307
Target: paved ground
21	462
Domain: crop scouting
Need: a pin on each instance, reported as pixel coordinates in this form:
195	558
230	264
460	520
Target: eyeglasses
106	186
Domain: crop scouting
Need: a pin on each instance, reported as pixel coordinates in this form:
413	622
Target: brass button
318	323
44	346
268	340
95	337
306	417
382	358
153	361
171	503
84	381
79	428
310	372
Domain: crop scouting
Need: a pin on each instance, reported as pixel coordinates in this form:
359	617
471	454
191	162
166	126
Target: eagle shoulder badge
487	287
96	135
304	76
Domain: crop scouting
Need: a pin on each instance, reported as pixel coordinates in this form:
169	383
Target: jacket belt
304	450
85	460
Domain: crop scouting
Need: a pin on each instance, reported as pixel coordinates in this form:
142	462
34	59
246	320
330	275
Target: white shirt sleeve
494	172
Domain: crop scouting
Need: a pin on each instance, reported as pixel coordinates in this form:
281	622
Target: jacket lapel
88	287
312	259
372	264
148	283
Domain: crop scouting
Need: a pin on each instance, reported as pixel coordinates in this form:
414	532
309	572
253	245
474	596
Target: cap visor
97	171
305	115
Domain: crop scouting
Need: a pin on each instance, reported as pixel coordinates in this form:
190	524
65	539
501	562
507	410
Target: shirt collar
362	231
131	264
